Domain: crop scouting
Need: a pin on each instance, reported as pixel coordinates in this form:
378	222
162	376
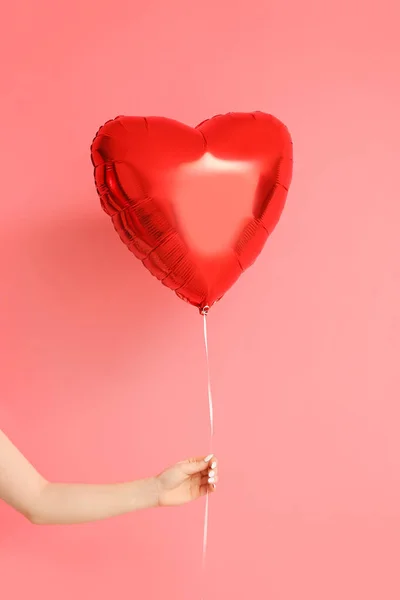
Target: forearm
66	504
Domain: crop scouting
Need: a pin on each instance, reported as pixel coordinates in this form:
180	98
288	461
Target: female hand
47	503
187	480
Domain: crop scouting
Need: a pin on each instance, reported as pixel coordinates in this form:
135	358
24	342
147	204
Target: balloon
195	205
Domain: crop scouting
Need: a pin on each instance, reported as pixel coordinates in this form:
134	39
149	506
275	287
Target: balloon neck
205	310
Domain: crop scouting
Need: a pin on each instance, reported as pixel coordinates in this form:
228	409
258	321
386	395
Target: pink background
102	369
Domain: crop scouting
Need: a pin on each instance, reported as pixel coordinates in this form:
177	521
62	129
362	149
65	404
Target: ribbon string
211	418
210	398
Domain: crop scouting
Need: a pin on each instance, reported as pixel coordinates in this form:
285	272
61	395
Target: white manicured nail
211	480
213	465
208	458
211	473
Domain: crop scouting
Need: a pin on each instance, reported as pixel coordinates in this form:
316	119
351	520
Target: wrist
143	493
154	491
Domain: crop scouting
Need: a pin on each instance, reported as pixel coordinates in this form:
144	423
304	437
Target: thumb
196	465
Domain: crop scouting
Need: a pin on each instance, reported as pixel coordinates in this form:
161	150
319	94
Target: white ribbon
211	416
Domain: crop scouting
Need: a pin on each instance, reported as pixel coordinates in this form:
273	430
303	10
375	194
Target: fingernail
208	458
213	465
211	474
211	480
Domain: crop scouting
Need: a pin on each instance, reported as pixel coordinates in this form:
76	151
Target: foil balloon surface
195	205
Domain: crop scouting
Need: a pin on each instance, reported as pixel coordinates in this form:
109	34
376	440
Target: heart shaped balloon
195	205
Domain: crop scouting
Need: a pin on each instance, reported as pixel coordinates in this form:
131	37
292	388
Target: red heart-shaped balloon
196	205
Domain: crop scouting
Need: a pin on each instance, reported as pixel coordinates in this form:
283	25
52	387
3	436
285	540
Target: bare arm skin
46	503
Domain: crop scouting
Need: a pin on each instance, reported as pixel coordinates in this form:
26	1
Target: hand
187	481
